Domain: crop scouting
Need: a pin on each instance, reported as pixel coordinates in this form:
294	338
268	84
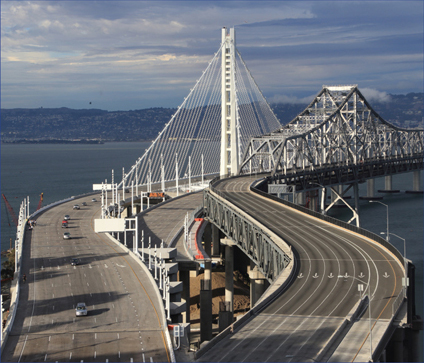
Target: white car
94	200
76	206
67	217
81	309
66	235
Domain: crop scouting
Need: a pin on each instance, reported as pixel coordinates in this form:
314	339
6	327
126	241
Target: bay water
63	170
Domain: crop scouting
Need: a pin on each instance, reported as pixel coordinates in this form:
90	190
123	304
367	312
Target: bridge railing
251	238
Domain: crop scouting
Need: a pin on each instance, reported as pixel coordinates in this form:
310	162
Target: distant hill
93	125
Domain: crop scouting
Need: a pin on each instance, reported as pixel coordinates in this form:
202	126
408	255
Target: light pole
404	254
369	307
387	217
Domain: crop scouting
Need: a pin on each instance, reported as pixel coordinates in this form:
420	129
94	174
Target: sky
128	55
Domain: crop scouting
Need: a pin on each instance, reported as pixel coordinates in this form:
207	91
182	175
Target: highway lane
122	322
317	295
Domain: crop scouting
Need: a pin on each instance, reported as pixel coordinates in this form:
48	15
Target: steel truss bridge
338	129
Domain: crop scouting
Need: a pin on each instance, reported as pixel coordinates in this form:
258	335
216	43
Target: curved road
297	325
122	322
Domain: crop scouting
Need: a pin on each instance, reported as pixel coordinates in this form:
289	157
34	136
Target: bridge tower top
230	130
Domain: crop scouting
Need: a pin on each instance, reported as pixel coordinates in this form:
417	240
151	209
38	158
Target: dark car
74	262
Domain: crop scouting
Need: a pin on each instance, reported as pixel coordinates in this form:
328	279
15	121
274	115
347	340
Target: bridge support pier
205	310
300	198
388	185
258	284
416	183
184	276
371	191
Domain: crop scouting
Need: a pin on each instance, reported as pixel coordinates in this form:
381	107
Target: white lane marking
113	306
45	357
119	354
95	335
144	358
89	266
385	275
315	276
116	319
361	275
70	356
118	335
50	337
22	351
95	353
73	335
331	275
151	359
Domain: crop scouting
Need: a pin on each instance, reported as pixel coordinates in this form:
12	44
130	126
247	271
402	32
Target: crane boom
40	202
10	209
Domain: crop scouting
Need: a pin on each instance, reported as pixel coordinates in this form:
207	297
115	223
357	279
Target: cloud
375	95
292	48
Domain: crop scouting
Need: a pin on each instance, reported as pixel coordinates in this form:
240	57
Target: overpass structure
313	308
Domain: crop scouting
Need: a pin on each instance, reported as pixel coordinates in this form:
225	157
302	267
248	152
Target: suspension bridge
264	174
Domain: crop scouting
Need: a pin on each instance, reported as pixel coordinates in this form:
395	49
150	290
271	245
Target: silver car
66	235
81	309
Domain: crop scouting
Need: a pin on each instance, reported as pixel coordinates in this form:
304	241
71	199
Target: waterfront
62	170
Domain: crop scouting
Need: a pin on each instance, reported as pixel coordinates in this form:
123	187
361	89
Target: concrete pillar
205	311
229	273
388	182
185	294
370	188
394	350
388	187
215	240
258	284
300	198
225	315
416	181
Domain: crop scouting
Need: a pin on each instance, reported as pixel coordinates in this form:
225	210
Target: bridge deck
122	322
297	324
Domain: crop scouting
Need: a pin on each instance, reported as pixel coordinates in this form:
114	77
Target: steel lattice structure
250	238
339	128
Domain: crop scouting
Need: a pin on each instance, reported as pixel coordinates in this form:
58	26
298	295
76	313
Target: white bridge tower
229	130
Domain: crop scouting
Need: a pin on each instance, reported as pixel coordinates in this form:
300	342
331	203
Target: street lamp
369	307
404	253
387	211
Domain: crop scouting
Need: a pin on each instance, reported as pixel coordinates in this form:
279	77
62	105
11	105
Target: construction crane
11	211
40	202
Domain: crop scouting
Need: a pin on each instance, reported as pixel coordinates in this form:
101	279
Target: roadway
297	325
123	319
